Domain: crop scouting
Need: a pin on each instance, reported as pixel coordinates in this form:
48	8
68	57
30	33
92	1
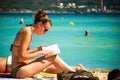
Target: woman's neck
32	29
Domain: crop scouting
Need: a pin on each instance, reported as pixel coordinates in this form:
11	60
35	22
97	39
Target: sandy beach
100	73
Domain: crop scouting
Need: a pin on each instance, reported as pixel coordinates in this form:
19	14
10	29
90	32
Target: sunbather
23	65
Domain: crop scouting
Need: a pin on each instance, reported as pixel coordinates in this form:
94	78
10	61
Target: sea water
99	50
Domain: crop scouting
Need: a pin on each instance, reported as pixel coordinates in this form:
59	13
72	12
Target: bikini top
11	47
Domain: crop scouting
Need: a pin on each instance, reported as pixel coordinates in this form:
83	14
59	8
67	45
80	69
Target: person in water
87	33
21	21
24	61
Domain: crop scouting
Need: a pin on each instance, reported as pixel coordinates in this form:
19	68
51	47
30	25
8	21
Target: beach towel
38	76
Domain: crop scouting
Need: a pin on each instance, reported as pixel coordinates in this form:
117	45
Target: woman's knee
52	58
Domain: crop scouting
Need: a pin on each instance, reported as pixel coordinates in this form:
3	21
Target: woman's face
42	28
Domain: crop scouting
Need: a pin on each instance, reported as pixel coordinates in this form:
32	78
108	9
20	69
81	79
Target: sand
101	73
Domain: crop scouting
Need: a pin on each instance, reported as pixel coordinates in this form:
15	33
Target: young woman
22	66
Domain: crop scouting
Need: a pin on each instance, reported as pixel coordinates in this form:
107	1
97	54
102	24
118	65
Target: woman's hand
49	53
44	45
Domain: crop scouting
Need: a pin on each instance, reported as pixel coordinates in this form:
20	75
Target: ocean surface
99	50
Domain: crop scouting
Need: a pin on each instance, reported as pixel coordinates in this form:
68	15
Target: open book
53	47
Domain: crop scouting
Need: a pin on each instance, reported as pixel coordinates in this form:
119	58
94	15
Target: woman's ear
39	23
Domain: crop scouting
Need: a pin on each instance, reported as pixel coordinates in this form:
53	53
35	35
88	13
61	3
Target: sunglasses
45	29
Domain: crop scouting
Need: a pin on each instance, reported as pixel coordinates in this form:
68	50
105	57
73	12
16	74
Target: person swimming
87	33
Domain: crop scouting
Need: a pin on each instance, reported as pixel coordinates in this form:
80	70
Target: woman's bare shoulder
26	30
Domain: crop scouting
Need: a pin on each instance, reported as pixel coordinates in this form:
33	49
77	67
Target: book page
53	47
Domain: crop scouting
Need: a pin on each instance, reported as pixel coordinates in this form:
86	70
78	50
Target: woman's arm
34	50
37	49
23	54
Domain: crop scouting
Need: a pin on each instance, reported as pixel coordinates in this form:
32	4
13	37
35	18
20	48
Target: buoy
71	23
21	21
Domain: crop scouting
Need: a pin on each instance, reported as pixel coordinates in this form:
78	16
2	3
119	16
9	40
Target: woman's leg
61	65
2	65
54	69
58	65
40	64
35	67
79	67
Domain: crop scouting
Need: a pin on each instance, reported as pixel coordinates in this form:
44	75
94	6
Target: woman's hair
41	16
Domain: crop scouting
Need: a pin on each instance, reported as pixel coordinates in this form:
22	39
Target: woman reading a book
23	65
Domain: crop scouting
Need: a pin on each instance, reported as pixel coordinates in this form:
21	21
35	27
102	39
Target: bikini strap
11	47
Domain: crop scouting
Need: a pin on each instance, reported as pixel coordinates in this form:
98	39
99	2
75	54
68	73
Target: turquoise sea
99	50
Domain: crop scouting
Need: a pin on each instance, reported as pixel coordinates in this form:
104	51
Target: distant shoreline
64	12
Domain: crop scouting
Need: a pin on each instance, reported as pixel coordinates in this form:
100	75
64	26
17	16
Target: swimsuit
11	47
9	60
8	63
15	70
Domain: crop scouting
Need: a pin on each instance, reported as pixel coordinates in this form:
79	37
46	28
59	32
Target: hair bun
40	13
41	16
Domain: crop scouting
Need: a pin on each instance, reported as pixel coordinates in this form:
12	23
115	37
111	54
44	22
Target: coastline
61	12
